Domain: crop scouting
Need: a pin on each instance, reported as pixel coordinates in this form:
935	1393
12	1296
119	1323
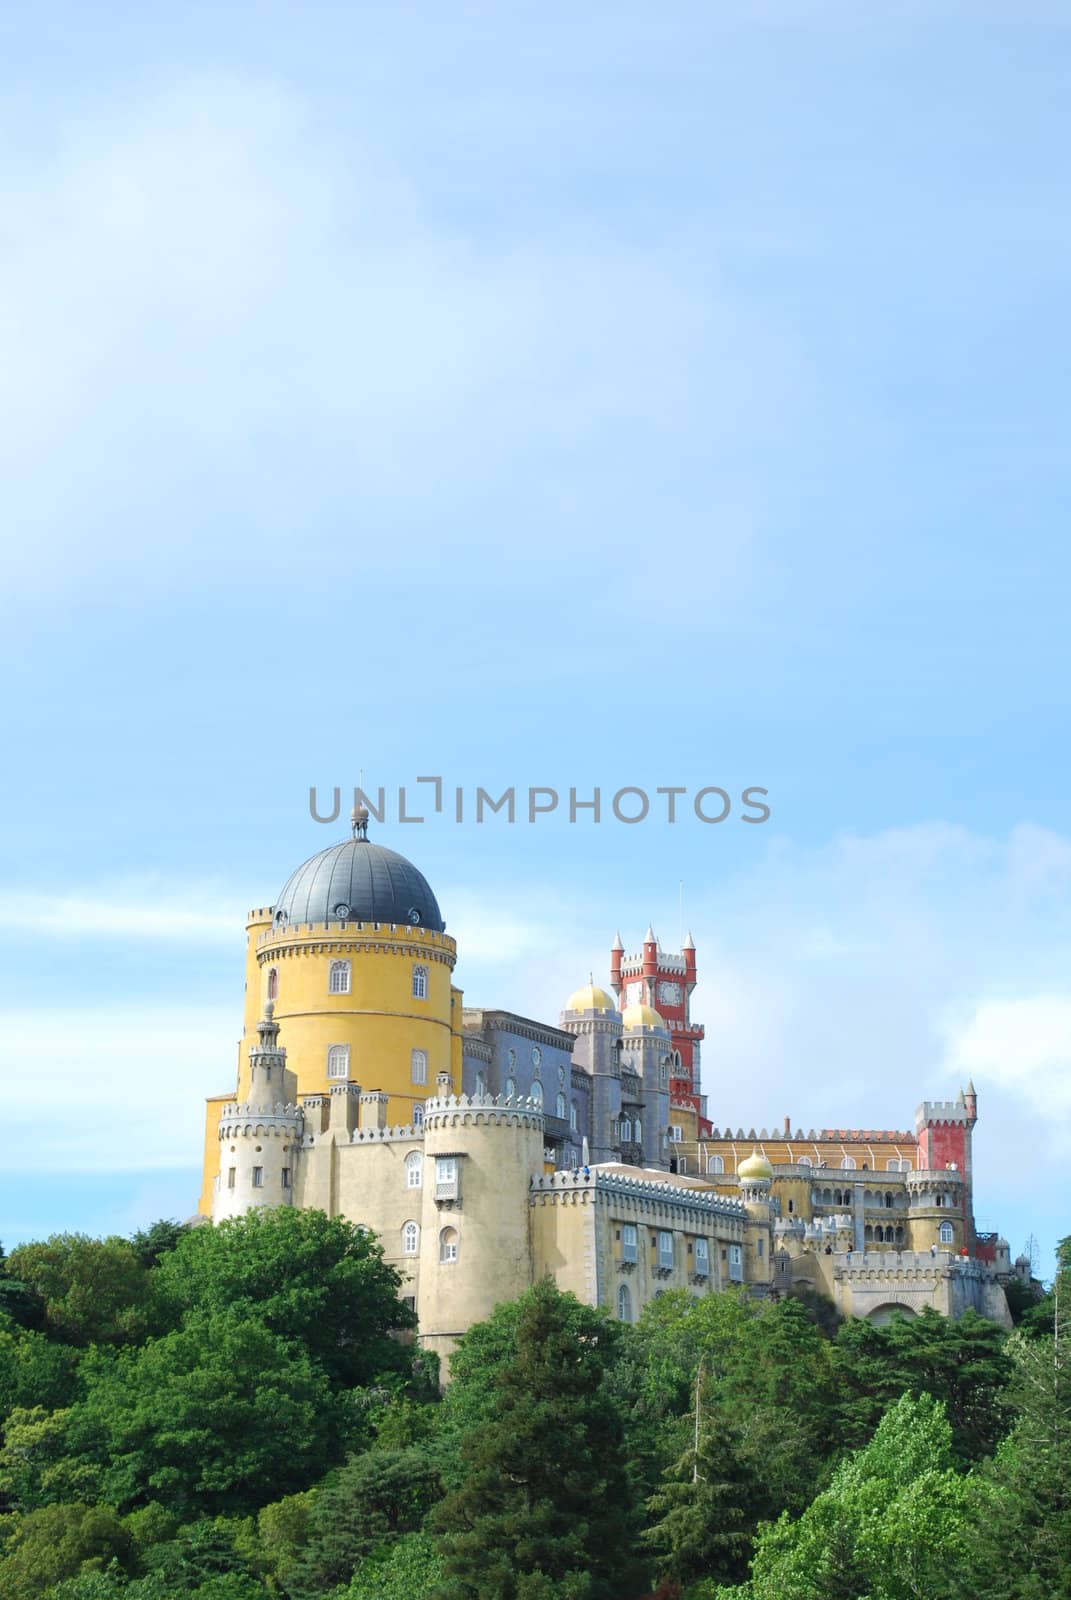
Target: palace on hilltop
487	1149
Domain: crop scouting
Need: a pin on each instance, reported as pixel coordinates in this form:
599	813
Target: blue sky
539	395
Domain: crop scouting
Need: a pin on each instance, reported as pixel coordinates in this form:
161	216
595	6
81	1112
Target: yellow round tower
355	958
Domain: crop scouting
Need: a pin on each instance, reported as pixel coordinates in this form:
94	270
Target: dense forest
241	1412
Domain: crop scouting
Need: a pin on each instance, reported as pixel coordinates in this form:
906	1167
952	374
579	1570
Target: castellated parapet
258	1147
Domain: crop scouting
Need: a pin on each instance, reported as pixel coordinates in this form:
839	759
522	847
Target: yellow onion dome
755	1168
639	1016
590	998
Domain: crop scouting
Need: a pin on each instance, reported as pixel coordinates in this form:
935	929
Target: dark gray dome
358	882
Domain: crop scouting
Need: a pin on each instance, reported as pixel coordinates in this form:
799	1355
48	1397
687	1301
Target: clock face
634	994
670	993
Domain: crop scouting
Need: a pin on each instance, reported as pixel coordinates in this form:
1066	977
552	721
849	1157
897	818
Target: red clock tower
656	978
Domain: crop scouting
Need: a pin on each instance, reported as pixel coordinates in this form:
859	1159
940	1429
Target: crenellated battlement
465	1110
357	935
937	1111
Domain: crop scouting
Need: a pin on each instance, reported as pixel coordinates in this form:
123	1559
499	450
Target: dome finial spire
359	822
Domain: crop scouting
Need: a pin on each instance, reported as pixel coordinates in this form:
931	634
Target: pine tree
544	1510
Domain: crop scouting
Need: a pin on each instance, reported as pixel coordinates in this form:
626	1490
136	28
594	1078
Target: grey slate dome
357	881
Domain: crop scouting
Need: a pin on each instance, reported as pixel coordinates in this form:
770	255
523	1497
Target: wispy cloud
152	917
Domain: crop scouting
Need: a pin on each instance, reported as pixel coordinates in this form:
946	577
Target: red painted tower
654	977
944	1129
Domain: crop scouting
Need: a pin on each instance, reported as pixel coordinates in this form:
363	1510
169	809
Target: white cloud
1023	1045
112	1089
212	286
144	915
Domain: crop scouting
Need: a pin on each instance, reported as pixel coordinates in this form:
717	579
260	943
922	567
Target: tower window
629	1242
273	983
232	1174
947	1233
338	978
637	1130
626	1131
258	1177
446	1187
511	1088
537	1093
676	1133
286	1177
413	1169
560	1107
418	1066
574	1117
624	1303
448	1243
420	983
418	1113
715	1163
410	1239
338	1061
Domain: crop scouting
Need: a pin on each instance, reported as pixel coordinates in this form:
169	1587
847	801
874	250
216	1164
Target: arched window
338	978
273	984
481	1085
805	1161
410	1239
511	1088
626	1131
574	1116
637	1130
848	1164
948	1233
418	1113
868	1234
899	1235
418	1066
560	1107
338	1061
888	1200
537	1093
715	1163
624	1303
448	1243
420	983
414	1169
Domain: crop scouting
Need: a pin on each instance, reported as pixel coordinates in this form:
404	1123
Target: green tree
962	1362
703	1514
19	1303
319	1280
35	1371
39	1463
544	1508
409	1569
214	1418
893	1523
57	1542
94	1291
1021	1549
152	1243
366	1504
